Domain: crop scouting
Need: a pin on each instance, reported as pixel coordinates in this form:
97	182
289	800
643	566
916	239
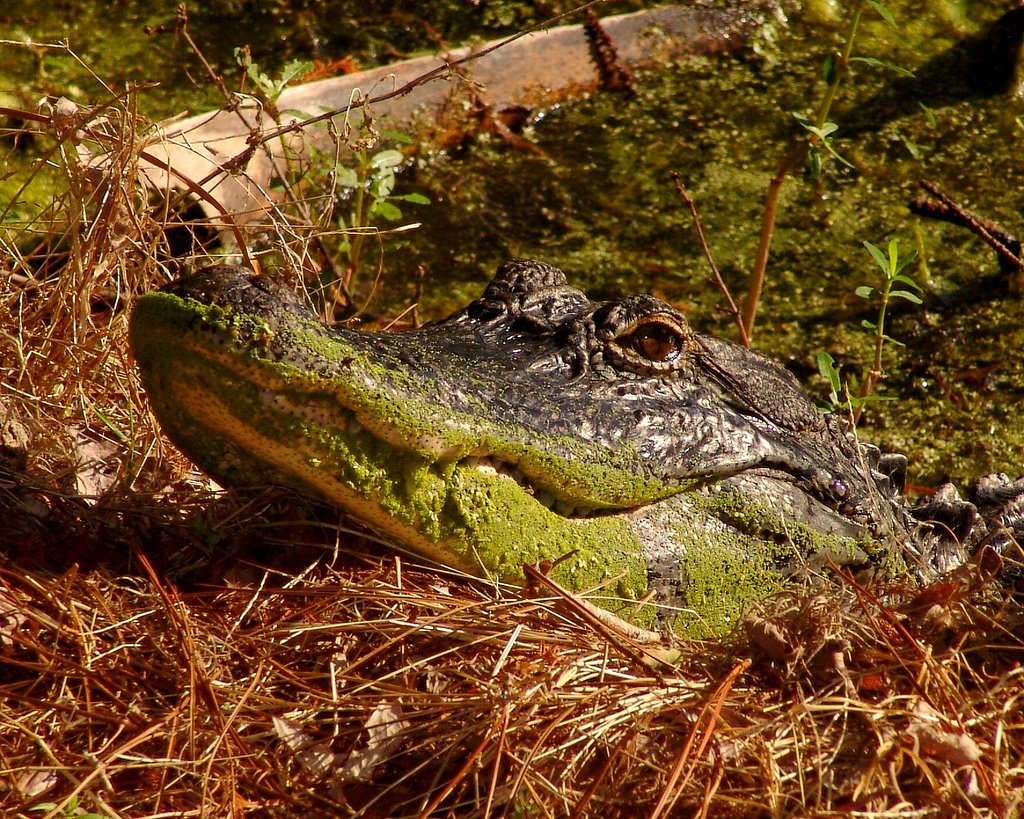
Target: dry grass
167	650
389	691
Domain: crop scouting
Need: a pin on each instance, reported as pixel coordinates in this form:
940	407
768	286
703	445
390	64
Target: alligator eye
656	342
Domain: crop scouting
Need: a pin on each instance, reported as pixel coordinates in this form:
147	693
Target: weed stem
793	158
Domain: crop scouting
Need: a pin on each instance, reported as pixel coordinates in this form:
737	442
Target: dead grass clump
382	690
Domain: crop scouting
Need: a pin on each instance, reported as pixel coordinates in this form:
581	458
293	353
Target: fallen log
234	154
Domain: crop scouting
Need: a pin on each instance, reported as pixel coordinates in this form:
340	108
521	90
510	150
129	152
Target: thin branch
439	71
989	232
732	309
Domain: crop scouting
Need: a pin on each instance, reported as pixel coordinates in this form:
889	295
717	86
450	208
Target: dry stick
795	156
257	139
579	809
229	97
732	309
954	710
492	788
764	245
704	723
424	78
462	772
627	637
989	232
193	187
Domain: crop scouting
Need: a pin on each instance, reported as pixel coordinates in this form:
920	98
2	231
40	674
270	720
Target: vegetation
814	147
169	648
892	287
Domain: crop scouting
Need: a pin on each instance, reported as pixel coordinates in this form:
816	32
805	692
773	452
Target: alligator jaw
249	420
525	428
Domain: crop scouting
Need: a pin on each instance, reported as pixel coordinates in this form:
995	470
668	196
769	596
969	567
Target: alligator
663	472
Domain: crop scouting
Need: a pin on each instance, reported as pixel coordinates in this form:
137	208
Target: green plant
894	284
367	189
362	190
267	87
70	810
815	147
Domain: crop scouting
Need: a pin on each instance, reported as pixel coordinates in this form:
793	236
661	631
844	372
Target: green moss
501	527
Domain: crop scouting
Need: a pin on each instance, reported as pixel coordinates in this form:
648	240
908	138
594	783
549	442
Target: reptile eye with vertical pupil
656	341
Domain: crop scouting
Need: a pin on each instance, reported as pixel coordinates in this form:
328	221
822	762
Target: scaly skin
664	474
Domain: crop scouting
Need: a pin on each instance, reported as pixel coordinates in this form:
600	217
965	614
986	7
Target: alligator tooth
566	510
584	511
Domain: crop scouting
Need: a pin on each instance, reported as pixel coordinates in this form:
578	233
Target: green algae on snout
735	549
242	416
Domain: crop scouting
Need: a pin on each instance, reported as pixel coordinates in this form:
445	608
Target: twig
614	76
611	626
423	79
764	244
195	188
704	724
719	282
259	137
1004	244
793	158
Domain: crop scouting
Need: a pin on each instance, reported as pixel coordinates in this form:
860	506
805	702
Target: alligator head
607	438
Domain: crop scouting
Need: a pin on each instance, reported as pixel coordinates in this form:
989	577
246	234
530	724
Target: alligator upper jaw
304	408
470	514
235	329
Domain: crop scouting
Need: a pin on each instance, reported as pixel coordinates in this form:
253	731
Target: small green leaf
828	147
294	69
878	256
894	253
899	277
383	183
827	368
828	70
389	158
906	295
346	177
868	325
928	114
883	12
823	132
874	62
258	77
386	211
414	198
814	158
866	291
397	137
